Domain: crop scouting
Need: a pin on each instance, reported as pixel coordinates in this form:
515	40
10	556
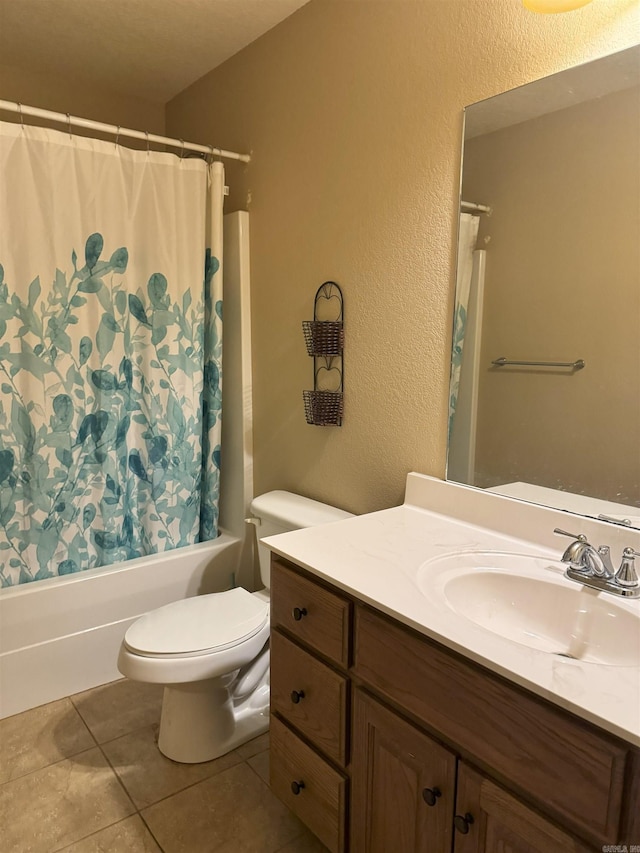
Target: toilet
211	652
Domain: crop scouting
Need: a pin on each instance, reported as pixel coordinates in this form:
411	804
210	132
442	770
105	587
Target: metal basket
323	337
323	408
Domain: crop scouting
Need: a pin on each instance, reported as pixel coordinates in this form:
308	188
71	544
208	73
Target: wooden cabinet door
402	784
489	820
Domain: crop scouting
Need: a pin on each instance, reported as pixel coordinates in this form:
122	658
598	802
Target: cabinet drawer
311	613
321	802
570	769
309	695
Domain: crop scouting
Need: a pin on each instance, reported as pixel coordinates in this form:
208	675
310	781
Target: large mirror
545	390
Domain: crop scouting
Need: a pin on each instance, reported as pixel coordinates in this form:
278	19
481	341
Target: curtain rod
476	208
69	120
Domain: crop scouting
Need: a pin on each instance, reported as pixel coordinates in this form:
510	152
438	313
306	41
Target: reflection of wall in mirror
562	283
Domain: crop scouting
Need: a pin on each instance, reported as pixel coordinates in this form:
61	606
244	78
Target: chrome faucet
593	567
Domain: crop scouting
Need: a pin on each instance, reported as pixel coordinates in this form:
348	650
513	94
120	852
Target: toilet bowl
211	652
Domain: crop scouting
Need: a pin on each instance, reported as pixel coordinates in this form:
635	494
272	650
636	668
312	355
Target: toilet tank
281	512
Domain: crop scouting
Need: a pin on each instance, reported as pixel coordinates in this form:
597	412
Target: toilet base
200	720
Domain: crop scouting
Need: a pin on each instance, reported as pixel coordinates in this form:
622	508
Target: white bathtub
62	635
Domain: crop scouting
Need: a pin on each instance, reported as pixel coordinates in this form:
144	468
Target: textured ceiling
151	49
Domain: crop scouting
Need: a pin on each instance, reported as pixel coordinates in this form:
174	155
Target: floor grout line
192	785
120	782
151	832
47	766
129	733
247	761
92	834
84	722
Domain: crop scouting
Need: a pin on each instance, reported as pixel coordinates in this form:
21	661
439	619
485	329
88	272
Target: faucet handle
626	575
576	553
604	552
579	537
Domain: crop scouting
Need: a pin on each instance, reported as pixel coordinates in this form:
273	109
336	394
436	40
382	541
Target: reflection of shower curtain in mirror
465	351
110	345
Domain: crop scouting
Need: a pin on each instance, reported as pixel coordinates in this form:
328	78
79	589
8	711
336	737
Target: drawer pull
296	787
430	795
299	612
462	824
296	696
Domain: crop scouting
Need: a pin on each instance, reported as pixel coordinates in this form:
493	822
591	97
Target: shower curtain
468	235
110	352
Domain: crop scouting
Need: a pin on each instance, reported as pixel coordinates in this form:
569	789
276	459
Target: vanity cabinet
573	771
406	745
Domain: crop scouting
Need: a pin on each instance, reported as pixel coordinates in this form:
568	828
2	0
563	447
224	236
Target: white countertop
378	557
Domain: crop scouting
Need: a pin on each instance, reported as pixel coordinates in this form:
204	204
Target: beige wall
352	111
562	283
61	94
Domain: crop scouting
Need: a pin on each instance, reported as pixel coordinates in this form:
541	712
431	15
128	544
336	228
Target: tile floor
84	775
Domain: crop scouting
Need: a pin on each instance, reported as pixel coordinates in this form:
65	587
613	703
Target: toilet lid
198	625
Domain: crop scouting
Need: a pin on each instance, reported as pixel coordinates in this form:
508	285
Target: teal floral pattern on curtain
110	352
211	402
101	452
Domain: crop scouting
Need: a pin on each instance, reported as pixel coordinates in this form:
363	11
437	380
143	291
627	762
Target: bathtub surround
110	350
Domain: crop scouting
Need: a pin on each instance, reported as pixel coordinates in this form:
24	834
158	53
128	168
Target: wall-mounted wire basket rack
324	339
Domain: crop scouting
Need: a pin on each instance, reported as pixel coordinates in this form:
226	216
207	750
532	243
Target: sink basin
527	600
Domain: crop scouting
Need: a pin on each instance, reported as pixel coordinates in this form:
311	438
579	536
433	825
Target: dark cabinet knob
462	824
299	612
296	787
430	795
296	696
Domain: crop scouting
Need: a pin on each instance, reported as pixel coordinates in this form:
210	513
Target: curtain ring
20	113
210	155
182	149
117	135
69	126
146	133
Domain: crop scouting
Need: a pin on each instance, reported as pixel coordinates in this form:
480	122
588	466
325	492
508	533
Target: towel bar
576	365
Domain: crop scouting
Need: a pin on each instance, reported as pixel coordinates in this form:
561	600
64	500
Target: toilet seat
198	626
